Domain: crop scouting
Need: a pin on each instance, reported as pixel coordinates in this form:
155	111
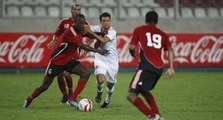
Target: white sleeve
94	28
111	34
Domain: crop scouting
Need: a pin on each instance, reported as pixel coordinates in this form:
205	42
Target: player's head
105	20
79	22
151	17
75	9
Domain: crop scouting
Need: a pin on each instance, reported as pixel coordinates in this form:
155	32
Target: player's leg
152	103
62	86
44	86
83	72
111	77
149	82
51	72
69	82
100	83
134	90
110	91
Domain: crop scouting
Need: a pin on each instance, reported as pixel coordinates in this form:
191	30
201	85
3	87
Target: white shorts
110	71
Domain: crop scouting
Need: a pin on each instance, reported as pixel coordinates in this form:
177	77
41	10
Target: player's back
152	40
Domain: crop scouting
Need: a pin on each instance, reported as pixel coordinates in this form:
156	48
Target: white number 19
153	40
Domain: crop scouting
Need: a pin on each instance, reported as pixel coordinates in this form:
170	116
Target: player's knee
86	74
100	78
131	98
110	85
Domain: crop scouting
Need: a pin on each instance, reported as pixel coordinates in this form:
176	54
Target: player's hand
87	29
51	44
170	72
103	52
135	56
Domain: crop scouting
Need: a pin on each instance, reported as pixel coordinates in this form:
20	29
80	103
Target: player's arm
88	48
89	44
132	51
92	34
170	71
57	33
52	43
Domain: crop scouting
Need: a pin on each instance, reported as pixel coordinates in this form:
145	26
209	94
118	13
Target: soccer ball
85	105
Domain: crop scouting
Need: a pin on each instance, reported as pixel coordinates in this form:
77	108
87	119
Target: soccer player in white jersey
106	67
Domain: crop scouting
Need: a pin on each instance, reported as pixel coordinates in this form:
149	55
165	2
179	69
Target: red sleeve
59	29
134	40
166	42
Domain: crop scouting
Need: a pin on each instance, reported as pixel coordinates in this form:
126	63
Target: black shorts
54	70
143	81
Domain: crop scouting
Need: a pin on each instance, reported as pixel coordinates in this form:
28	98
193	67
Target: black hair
78	17
151	17
105	14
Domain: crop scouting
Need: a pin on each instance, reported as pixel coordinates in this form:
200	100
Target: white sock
109	94
100	87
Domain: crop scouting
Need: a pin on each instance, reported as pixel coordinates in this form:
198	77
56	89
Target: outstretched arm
98	35
100	51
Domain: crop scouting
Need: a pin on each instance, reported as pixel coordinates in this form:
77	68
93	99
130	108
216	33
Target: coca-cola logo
207	49
25	49
190	50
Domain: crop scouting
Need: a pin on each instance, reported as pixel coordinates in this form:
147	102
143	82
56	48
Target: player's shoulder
140	27
161	32
112	29
96	26
64	20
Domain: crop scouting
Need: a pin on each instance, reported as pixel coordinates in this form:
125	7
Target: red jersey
151	41
64	24
68	49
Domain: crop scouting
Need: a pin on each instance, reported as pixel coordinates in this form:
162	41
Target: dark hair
105	14
78	17
151	17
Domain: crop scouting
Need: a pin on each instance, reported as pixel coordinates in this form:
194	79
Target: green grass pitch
187	96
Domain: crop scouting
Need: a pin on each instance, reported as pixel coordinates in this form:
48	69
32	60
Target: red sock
35	93
62	86
80	86
143	108
69	82
151	101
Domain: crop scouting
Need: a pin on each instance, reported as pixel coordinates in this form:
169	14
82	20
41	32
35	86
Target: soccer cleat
98	97
28	101
157	117
105	105
73	104
64	99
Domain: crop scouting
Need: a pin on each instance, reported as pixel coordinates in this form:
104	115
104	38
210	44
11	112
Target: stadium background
188	95
189	18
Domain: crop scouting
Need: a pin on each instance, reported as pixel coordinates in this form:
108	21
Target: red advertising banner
30	50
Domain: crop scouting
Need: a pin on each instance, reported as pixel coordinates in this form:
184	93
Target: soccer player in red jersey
64	58
65	24
151	41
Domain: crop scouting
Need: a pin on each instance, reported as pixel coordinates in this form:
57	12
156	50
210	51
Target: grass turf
189	95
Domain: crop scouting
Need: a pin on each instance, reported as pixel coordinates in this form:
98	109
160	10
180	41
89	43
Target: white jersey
111	60
110	45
